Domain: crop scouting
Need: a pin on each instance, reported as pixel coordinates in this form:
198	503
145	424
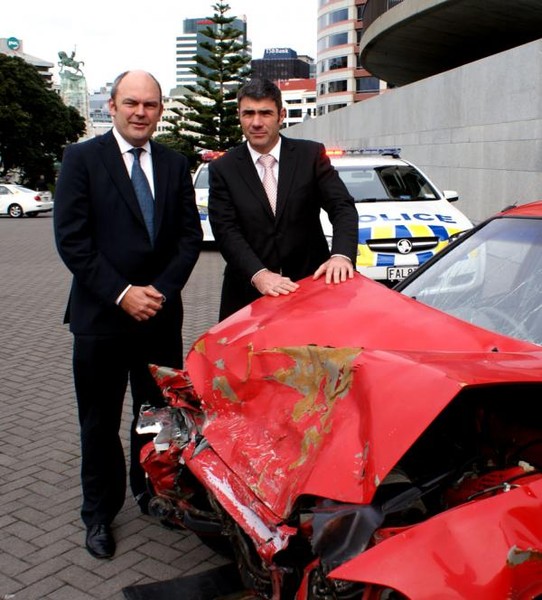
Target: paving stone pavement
42	554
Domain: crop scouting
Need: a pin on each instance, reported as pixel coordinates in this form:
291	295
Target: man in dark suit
266	219
125	308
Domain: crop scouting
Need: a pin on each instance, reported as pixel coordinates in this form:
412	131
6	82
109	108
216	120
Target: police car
201	187
404	219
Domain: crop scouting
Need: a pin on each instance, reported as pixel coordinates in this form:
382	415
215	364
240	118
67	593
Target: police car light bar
334	152
395	152
377	150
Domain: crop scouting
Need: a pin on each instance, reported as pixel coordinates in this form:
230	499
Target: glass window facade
333	17
367	84
336	39
337	86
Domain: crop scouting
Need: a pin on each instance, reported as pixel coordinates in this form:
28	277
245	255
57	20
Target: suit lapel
287	169
247	170
161	171
114	165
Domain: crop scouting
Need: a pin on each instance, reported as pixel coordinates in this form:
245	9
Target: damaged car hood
321	392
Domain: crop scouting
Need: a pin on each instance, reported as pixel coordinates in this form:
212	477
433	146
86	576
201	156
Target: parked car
355	442
404	218
18	201
201	187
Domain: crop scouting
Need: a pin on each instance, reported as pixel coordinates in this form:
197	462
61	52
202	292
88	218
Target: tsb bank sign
279	53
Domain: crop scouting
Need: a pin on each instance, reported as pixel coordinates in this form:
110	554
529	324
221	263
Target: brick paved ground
42	556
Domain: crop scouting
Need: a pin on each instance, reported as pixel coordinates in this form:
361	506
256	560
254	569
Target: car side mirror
451	195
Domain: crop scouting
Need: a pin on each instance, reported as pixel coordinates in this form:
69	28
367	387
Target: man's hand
142	303
273	284
336	269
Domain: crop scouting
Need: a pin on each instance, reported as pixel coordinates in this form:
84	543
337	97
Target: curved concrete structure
476	129
420	38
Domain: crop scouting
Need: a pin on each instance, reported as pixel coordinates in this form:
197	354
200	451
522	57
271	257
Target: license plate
398	273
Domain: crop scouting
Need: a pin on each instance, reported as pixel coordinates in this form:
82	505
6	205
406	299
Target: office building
13	46
280	64
341	79
188	44
298	99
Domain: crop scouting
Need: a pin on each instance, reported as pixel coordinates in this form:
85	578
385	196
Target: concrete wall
476	129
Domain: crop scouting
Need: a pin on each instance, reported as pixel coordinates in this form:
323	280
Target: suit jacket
101	235
291	242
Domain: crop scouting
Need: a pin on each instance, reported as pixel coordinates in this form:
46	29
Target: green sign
13	43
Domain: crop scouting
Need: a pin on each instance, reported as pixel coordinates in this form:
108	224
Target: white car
201	187
18	201
404	219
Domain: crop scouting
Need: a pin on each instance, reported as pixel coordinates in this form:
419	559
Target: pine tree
211	121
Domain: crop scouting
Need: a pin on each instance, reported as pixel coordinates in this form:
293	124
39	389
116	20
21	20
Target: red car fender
486	549
263	527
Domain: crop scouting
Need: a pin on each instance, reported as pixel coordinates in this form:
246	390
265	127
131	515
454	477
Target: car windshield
382	184
492	278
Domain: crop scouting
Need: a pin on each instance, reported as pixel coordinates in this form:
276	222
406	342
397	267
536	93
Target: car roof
368	160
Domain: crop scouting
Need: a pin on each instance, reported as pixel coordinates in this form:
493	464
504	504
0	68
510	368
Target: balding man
127	227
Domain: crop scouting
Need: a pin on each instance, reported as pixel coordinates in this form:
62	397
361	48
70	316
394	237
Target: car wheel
15	211
32	214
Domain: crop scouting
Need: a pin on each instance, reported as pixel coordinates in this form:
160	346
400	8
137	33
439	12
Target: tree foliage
222	66
180	145
35	124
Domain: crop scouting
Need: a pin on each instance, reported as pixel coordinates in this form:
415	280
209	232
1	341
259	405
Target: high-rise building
279	64
188	45
340	77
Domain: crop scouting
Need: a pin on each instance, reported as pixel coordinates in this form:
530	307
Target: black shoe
100	542
143	500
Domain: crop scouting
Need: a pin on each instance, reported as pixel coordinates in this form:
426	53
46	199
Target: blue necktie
143	192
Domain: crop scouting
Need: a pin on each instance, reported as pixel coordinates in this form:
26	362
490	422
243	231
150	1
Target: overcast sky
110	37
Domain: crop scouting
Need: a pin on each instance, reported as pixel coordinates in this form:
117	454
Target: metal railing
375	8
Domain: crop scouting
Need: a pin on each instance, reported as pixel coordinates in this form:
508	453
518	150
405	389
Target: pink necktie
269	181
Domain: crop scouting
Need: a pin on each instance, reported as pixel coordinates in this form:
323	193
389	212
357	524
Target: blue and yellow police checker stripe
368	258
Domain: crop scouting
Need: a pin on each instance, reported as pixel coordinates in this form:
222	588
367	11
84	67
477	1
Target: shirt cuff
342	256
119	299
257	273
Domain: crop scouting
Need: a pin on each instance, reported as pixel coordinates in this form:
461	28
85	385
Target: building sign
279	53
13	43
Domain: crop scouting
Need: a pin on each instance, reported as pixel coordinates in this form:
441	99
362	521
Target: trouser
102	367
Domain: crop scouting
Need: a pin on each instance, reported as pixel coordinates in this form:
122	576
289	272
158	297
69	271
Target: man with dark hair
127	228
265	199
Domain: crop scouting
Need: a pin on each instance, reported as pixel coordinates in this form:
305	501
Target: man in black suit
268	246
125	308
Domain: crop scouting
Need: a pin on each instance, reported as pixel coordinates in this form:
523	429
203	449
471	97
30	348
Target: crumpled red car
351	442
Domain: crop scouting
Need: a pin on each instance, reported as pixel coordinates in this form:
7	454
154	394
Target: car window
406	183
202	177
386	183
4	190
363	183
492	279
